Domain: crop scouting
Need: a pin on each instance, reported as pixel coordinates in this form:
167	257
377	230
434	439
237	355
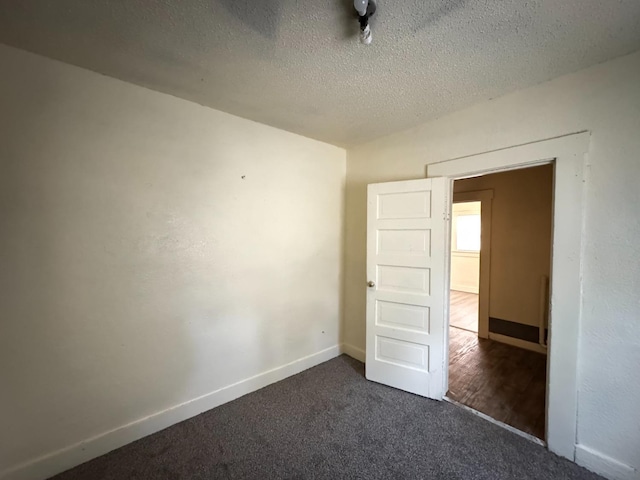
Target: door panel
406	265
392	314
395	205
403	242
403	279
403	354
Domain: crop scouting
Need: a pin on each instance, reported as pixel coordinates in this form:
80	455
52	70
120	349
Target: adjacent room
319	239
501	231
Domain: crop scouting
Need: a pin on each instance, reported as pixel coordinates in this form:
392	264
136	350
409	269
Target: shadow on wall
90	331
262	17
429	13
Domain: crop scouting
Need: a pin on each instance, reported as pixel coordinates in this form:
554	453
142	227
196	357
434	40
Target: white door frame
570	156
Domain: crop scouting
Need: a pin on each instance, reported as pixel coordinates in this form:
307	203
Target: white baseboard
353	352
66	458
465	288
603	465
516	342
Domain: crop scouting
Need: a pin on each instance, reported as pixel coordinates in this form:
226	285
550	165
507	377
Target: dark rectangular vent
514	329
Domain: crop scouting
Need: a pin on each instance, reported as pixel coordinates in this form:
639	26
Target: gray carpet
330	423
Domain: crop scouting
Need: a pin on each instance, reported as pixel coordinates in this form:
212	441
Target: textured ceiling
298	65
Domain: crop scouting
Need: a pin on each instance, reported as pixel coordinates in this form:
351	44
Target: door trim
571	168
485	198
506	426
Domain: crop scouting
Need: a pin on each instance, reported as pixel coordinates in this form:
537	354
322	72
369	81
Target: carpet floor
329	422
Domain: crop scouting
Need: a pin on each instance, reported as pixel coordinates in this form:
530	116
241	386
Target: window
468	233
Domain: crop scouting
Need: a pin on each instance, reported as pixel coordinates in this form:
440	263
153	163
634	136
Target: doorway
465	265
408	244
570	155
502	375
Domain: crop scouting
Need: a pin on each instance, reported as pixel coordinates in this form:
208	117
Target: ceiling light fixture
365	9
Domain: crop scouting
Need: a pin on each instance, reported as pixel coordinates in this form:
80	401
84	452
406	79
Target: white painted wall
604	99
152	251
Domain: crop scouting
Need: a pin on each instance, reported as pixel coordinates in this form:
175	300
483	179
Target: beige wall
152	251
520	239
605	100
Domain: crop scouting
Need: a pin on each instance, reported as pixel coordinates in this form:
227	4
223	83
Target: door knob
371	284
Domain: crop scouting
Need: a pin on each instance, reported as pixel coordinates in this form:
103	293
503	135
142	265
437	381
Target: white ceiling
297	64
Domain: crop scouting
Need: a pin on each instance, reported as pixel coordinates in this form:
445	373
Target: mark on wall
262	17
433	13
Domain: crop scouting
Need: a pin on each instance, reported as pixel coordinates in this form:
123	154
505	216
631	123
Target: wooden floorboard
504	382
463	308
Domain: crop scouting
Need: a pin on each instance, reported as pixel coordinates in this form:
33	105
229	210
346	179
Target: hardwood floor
464	310
507	383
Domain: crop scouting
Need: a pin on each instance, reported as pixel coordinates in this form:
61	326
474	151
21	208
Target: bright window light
468	233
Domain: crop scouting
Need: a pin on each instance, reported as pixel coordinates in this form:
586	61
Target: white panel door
406	285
